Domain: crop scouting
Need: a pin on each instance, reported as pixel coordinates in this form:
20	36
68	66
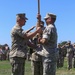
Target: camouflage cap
22	15
50	15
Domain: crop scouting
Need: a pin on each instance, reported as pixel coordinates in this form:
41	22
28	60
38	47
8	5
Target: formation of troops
66	51
4	52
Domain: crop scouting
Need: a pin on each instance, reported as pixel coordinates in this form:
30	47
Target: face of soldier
23	21
48	20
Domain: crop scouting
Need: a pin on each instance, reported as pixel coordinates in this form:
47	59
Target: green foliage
63	43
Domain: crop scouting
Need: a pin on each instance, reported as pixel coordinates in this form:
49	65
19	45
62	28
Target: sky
64	9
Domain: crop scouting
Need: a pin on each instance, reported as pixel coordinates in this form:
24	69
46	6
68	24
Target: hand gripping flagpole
38	24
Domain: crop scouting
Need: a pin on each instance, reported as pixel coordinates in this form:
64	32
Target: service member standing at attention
19	44
49	43
70	52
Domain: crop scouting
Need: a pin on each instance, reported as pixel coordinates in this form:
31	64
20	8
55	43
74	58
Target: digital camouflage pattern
36	61
18	50
49	50
19	46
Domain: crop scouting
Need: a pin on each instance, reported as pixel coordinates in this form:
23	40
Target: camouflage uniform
18	50
49	50
20	40
36	64
74	55
69	55
63	54
59	60
36	61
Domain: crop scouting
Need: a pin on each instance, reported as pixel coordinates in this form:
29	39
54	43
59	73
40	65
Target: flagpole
38	24
38	6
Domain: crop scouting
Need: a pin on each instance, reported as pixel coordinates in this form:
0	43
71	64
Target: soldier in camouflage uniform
36	60
59	60
69	55
74	55
49	43
63	54
19	44
36	63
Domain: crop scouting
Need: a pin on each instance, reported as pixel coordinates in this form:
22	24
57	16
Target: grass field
5	69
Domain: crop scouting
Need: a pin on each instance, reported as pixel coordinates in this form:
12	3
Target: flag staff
38	25
38	6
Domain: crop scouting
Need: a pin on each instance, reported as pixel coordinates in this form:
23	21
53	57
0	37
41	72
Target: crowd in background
64	50
4	52
67	50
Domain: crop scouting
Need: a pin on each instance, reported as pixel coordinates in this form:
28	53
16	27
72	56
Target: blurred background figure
69	55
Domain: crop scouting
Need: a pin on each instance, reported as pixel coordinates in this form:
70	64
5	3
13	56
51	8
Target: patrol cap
50	15
22	15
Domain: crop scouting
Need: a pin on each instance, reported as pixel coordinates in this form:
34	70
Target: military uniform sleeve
47	33
21	32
